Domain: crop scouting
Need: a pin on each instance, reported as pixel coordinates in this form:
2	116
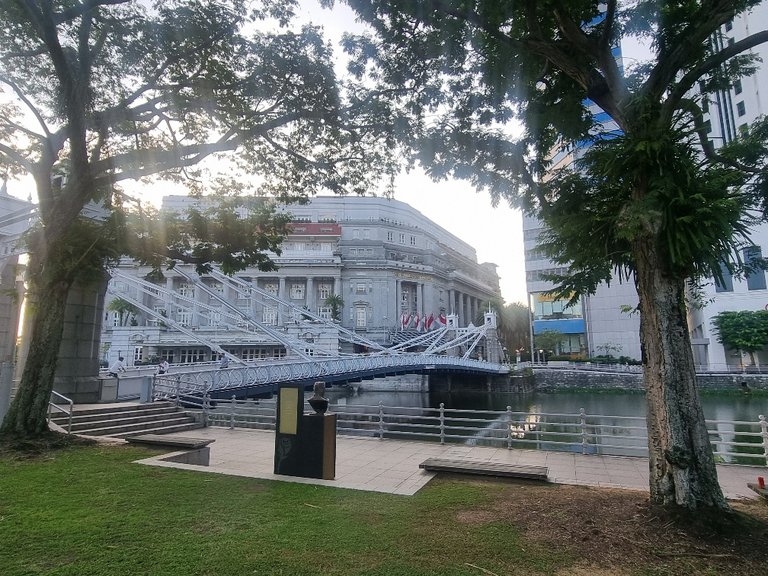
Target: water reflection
734	418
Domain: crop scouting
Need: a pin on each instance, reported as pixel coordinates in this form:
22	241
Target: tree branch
692	76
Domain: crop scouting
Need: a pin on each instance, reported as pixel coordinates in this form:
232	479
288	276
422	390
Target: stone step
103	420
160	430
139	427
85	416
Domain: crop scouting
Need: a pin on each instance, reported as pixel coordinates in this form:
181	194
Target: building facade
387	262
606	320
727	114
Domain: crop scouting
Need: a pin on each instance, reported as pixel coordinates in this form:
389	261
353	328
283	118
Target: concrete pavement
392	466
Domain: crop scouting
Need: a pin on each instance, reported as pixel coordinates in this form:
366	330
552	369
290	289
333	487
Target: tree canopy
530	102
99	92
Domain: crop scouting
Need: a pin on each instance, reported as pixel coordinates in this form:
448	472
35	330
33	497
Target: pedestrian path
392	466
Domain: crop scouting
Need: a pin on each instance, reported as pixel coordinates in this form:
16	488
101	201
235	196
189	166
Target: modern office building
604	321
728	114
387	261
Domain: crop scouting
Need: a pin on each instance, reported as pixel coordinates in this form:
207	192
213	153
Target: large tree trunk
27	415
682	466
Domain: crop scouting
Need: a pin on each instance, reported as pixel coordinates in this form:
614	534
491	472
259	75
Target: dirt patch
618	532
21	448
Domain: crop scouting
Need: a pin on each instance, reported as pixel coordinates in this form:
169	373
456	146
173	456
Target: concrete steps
123	421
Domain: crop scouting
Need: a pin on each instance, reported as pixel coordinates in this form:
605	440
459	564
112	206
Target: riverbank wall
559	380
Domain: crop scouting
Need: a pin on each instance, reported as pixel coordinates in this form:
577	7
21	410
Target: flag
428	321
442	319
416	323
405	319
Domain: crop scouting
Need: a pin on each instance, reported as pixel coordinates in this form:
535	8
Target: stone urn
318	402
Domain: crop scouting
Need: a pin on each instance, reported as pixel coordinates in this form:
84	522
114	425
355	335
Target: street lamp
542	359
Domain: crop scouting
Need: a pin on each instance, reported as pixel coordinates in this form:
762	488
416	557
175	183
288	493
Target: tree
549	340
517	326
658	204
104	91
745	331
336	304
125	310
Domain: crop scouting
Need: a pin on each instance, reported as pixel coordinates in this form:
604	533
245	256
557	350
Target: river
723	408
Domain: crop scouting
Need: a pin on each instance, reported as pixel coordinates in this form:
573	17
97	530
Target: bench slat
485	468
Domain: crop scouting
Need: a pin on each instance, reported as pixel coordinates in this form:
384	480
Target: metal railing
52	406
736	442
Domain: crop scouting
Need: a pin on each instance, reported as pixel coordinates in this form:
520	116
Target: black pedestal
311	452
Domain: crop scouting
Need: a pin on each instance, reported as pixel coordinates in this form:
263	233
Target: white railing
737	442
68	410
212	380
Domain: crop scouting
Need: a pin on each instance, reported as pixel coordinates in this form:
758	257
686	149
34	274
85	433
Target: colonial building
388	263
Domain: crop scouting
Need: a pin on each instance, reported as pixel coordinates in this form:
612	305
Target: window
270	288
184	317
737	87
269	316
413	240
361	317
390	236
366	234
727	281
753	259
188	355
324	312
138	354
214	318
708	126
401	238
297	291
360	288
740	108
186	290
166	354
729	26
744	129
217	287
325	291
356	234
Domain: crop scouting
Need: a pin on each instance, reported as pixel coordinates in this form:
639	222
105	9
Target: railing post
381	419
71	413
206	408
764	434
178	387
442	423
232	412
509	427
583	418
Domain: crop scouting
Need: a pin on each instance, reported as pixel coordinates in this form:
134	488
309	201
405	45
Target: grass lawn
88	510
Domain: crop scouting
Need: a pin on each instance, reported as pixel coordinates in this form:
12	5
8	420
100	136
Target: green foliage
548	340
745	330
336	303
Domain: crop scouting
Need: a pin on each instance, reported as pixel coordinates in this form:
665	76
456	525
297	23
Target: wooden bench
485	468
195	450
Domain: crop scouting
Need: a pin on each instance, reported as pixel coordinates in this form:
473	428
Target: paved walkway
392	466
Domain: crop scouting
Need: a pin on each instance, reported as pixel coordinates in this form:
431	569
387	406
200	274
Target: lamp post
542	358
